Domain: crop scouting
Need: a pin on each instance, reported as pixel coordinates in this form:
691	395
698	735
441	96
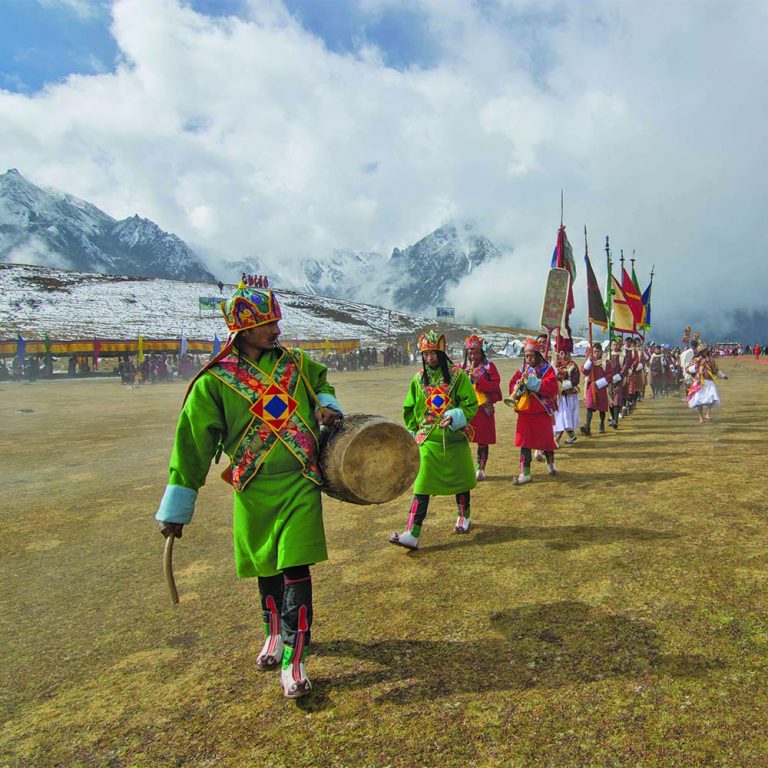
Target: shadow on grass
637	477
558	537
548	645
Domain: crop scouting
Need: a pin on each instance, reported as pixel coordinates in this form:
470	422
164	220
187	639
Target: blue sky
44	41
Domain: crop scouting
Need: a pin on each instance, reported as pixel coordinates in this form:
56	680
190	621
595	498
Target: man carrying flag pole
599	377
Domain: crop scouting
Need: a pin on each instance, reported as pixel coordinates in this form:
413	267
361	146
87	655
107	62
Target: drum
368	460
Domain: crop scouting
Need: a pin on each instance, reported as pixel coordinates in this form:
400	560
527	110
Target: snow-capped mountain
414	279
55	229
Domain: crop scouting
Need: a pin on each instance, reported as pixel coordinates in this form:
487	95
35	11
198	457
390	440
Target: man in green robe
441	402
262	405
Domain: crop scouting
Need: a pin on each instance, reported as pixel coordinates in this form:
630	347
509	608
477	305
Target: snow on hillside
37	300
82	305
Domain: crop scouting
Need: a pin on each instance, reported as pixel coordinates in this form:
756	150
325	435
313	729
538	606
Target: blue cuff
177	505
329	401
533	384
458	419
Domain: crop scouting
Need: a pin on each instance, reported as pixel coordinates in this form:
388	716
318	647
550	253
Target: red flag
623	318
632	296
96	353
562	258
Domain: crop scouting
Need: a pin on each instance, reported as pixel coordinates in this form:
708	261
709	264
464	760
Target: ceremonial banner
562	258
632	296
647	306
555	298
623	317
596	309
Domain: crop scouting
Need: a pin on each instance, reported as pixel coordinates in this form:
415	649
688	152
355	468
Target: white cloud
248	138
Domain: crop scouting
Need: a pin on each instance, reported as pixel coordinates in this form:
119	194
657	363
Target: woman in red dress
534	392
485	377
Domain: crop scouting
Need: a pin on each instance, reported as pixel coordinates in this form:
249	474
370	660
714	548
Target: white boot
480	474
462	524
271	654
294	680
552	469
522	479
404	539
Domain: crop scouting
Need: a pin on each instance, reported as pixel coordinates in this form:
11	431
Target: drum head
380	462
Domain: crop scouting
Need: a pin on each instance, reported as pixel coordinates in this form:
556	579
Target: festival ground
614	615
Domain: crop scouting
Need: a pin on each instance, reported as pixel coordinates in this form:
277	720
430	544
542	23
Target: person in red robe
485	377
533	390
597	377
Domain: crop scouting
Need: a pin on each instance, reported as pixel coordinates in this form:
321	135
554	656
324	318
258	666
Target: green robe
446	459
278	519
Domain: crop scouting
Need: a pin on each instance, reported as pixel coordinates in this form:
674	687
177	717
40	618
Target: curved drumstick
168	568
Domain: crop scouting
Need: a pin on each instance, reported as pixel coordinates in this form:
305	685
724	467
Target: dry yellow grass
614	615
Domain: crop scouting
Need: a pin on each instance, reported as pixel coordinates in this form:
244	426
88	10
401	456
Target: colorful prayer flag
21	349
596	309
647	306
562	258
632	296
623	317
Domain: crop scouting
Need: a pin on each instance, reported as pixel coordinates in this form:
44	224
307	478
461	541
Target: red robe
596	398
534	425
487	380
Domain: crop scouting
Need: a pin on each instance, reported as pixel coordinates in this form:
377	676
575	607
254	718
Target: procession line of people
263	406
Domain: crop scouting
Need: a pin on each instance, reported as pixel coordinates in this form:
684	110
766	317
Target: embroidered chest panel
276	418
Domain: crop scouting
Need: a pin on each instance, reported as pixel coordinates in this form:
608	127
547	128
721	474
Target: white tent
513	348
580	347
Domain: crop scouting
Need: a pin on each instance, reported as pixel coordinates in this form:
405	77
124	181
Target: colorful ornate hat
686	334
532	345
474	342
432	341
249	308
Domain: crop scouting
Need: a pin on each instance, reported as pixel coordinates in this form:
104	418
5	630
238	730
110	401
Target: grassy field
613	615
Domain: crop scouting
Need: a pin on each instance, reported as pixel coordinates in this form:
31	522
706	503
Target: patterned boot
463	513
271	591
296	623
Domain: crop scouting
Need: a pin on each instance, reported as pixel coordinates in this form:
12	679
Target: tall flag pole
608	287
562	258
636	283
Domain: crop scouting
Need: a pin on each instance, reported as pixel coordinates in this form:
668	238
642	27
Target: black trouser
615	414
288	595
421	505
590	413
525	458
